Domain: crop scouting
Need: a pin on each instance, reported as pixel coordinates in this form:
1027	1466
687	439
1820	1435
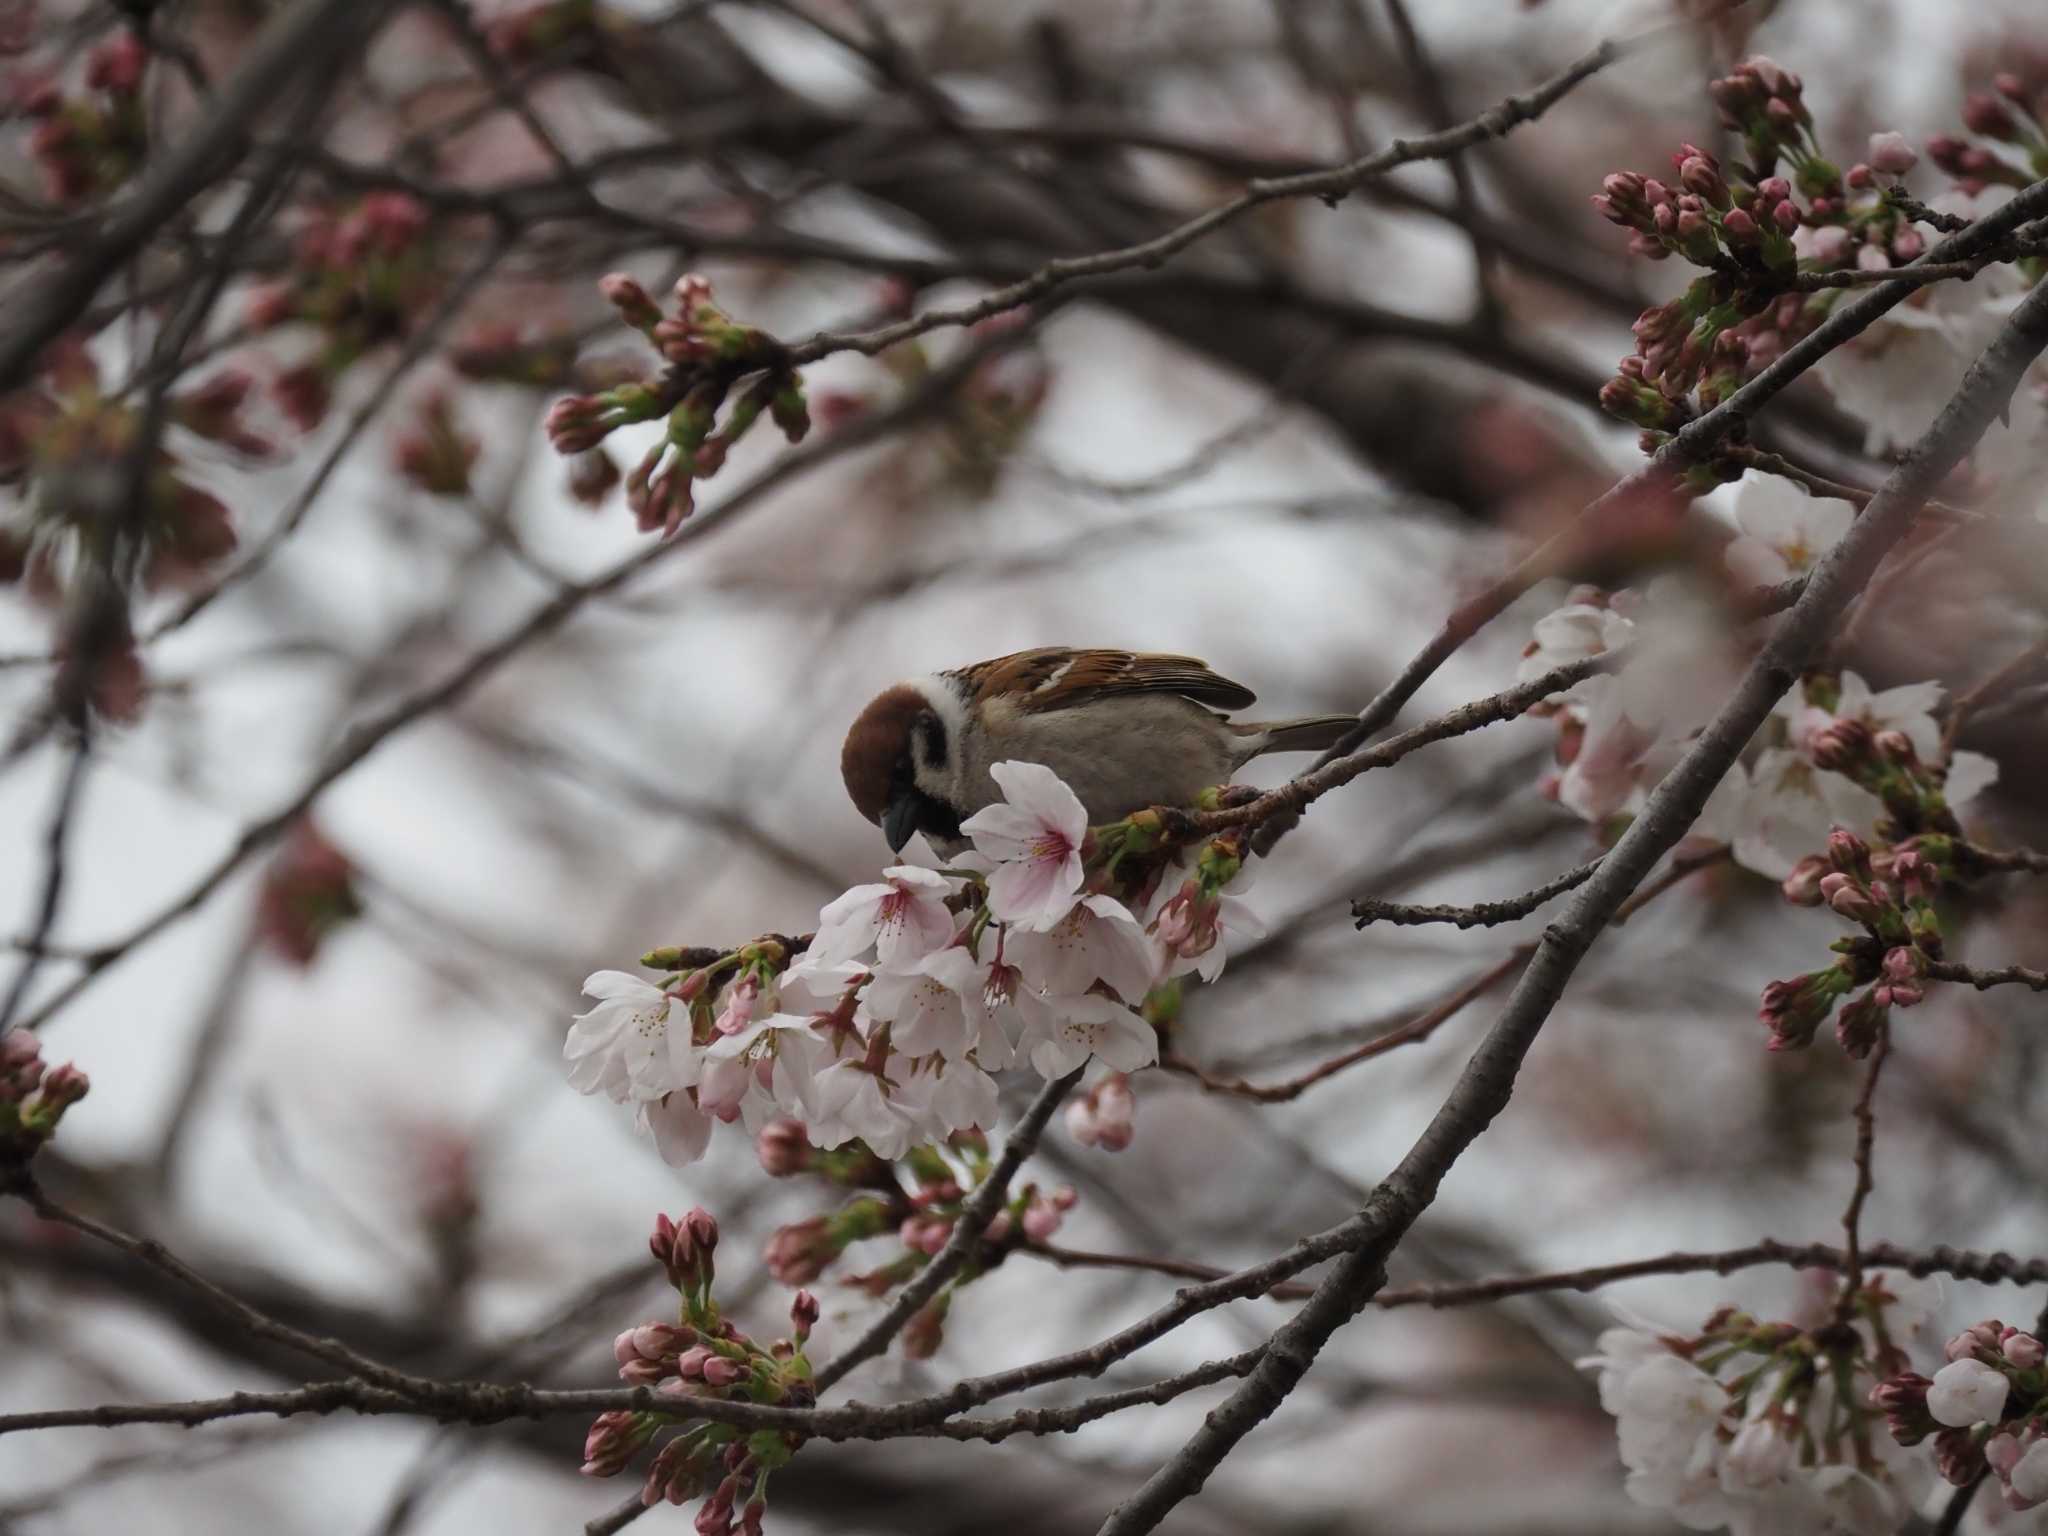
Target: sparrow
1124	730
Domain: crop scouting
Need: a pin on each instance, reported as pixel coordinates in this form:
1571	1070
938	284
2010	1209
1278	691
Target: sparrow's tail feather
1311	733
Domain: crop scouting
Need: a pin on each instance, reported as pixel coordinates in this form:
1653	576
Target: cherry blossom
903	918
1035	837
1572	633
681	1131
1093	1025
1899	373
1784	530
763	1070
622	1046
1790	807
1095	940
1000	1006
923	1013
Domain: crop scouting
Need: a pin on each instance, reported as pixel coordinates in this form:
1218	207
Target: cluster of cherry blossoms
1896	375
79	536
1766	1427
887	1023
361	275
308	891
1766	229
33	1095
88	142
707	353
1986	1409
1835	753
918	1200
703	1356
1754	226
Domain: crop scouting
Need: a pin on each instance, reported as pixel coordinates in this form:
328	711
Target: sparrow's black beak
899	821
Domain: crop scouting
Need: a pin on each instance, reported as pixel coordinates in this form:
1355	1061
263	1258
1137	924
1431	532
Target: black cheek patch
931	737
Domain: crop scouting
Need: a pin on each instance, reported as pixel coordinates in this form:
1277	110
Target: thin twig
1481	914
1965	703
2004	976
54	841
1416	1030
1866	1139
974	1218
1329	185
1300	792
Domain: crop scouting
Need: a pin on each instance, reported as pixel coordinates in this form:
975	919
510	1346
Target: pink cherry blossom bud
1832	245
623	1349
800	1252
592	474
784	1147
1802	886
1947	152
626	295
20	1051
1957	1457
303	394
268	306
1916	874
116	65
2022	1350
2002	1452
1903	1400
926	1232
1979	1341
1786	216
1908	245
751	1517
703	1228
925	1331
721	1372
611	1442
1740	230
575	423
690	1363
1989	116
691	290
63	1087
1841	745
714	1515
803	1314
1782	115
1889	152
673	1249
1847	851
1904	963
1895	747
656	1341
1859	1024
1860	177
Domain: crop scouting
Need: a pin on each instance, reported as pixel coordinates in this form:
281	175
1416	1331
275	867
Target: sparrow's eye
930	738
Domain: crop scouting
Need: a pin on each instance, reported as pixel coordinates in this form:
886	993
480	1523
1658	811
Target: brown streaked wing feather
1054	677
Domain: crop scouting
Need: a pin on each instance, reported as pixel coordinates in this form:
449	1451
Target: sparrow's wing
1056	677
